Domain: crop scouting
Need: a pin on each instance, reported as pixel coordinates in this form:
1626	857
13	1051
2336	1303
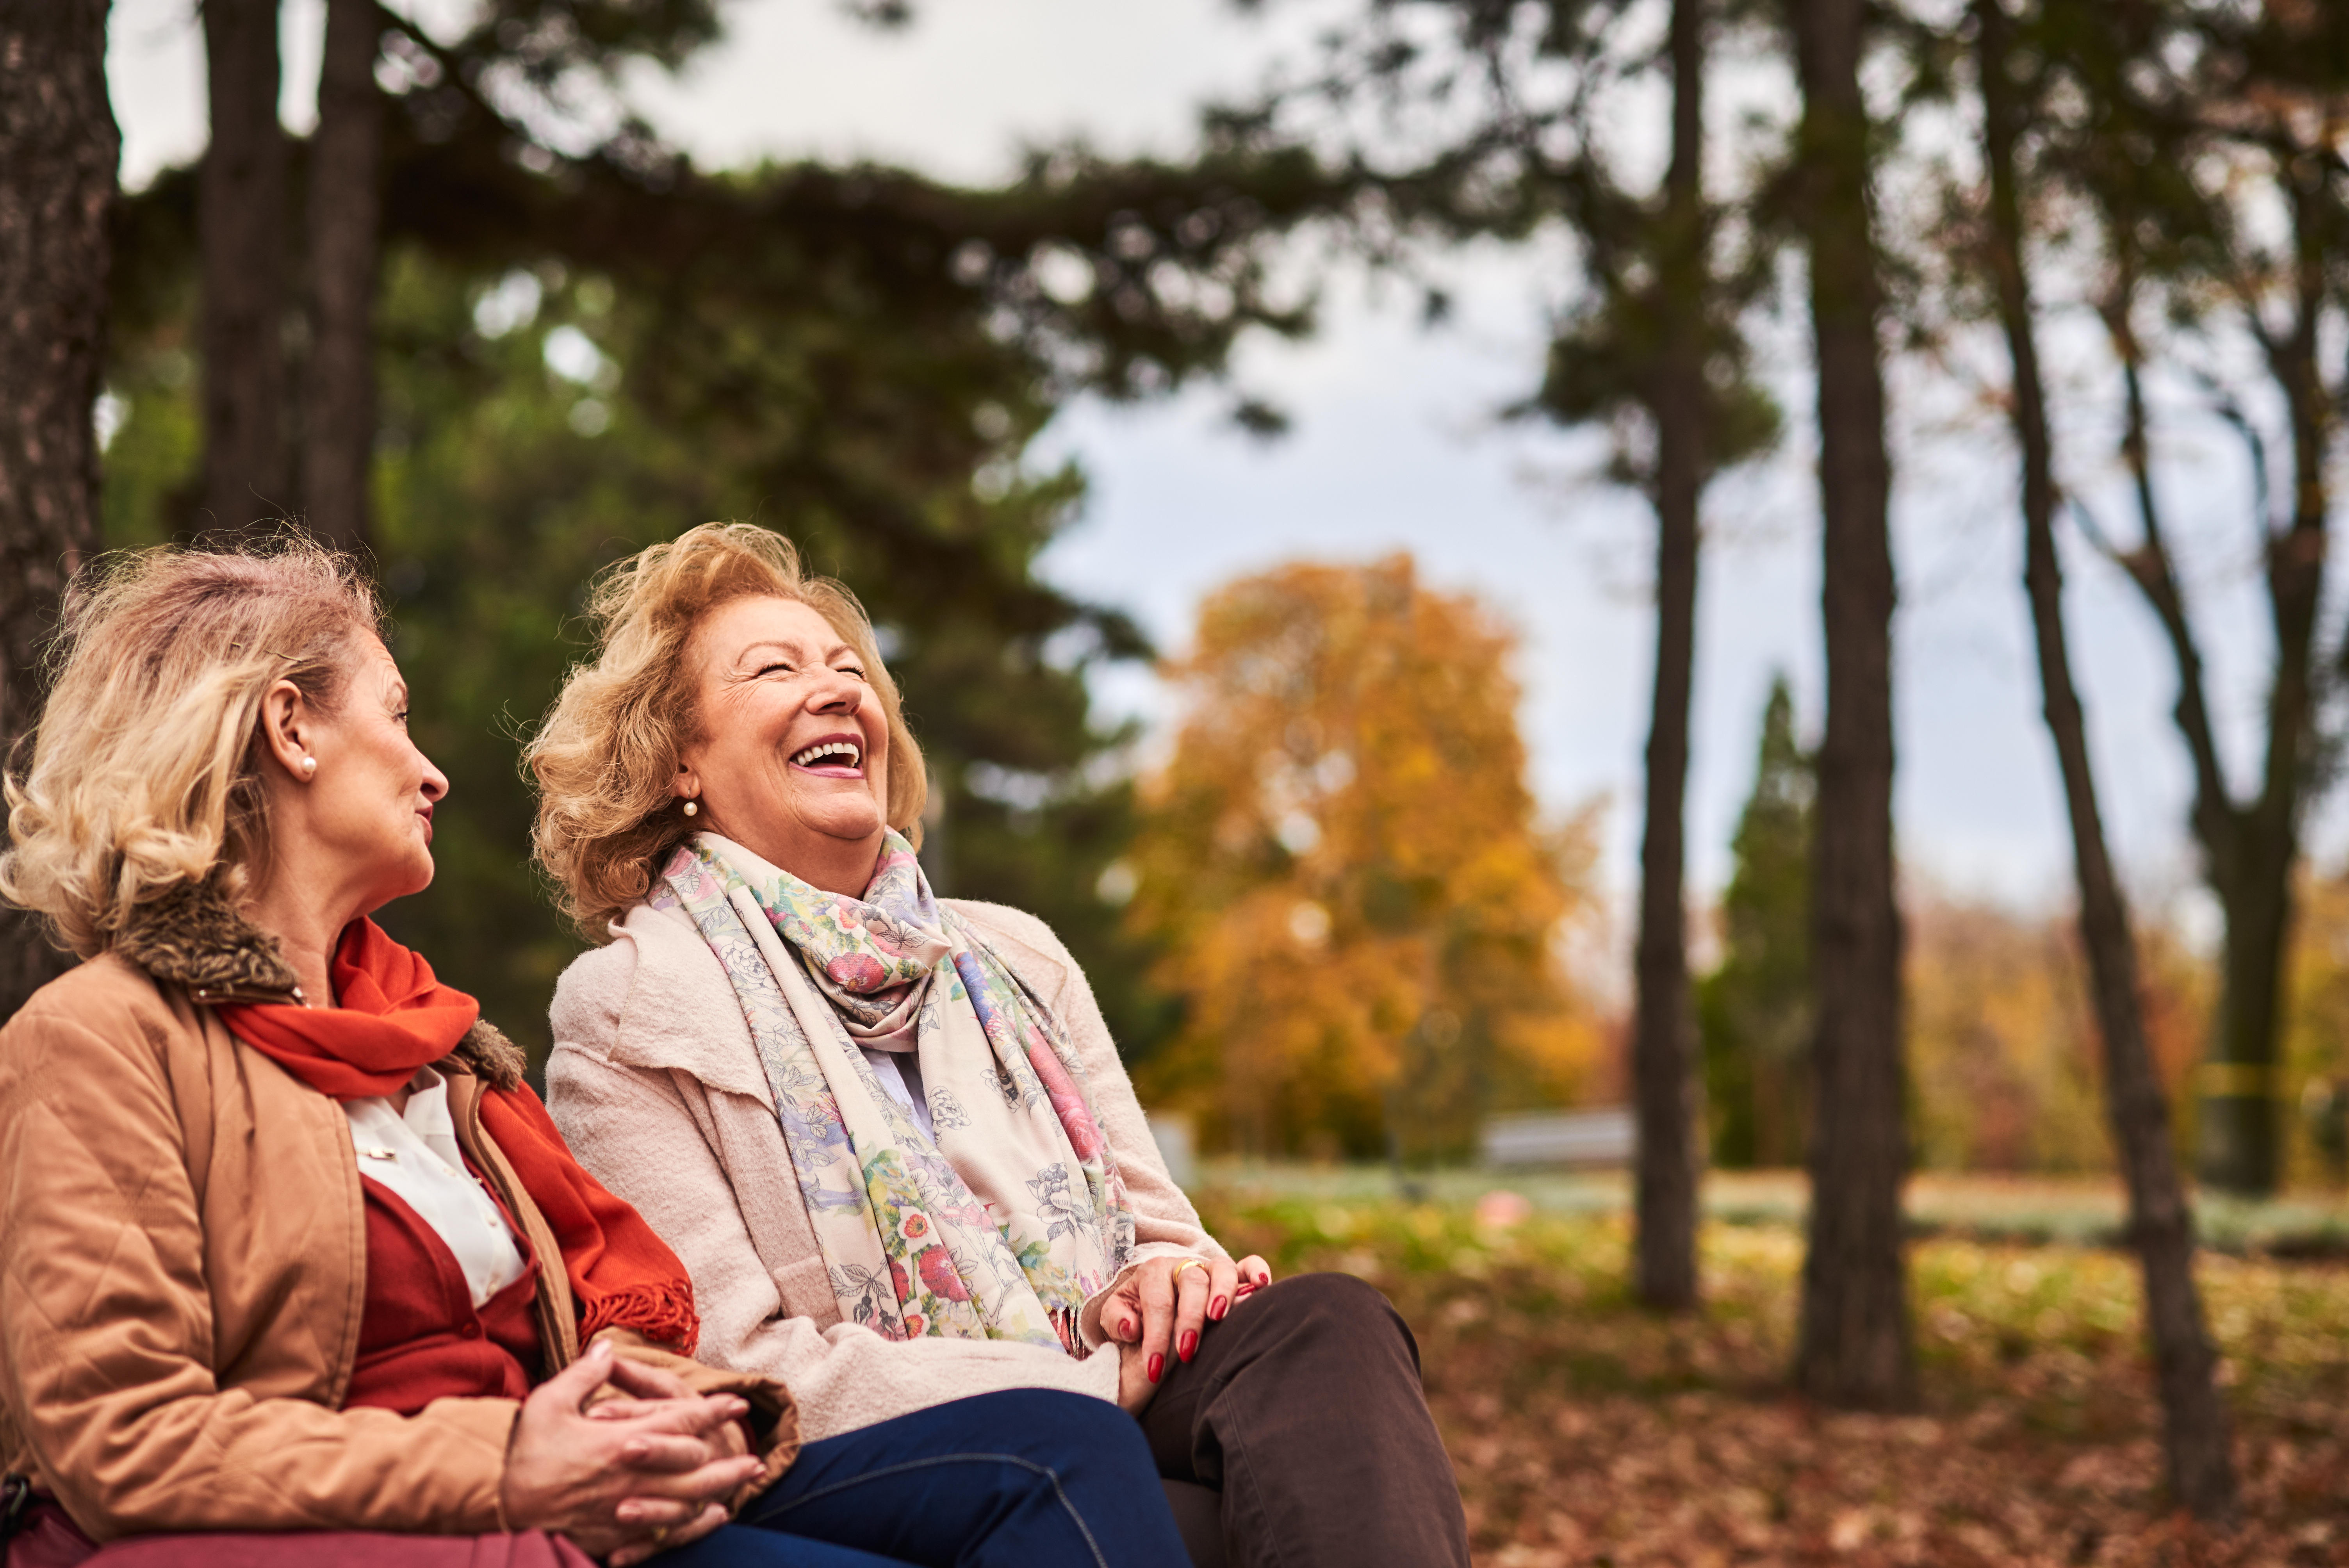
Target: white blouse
417	1157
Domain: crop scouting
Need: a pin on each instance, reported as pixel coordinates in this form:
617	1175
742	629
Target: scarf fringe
658	1312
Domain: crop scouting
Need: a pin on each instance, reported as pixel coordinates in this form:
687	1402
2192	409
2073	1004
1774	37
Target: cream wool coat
657	1087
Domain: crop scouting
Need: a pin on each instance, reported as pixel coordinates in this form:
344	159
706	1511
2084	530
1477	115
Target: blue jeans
1026	1479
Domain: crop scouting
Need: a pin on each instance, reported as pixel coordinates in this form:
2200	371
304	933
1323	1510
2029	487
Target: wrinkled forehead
756	625
368	666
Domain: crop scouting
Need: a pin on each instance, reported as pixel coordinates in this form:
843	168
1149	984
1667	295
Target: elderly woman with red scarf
292	1262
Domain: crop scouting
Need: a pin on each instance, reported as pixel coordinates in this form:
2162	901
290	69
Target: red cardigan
422	1338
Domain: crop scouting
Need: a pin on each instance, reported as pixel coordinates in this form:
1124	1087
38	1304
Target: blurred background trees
580	343
1358	904
59	148
1753	1010
2200	1445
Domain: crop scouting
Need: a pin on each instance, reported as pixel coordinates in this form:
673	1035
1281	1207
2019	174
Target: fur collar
192	936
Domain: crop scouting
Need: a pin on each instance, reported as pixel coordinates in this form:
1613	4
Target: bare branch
2230	412
2150	567
2091	529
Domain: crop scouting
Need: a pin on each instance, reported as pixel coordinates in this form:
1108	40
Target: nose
834	693
436	783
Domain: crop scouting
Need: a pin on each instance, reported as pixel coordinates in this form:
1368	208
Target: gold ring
660	1536
1185	1264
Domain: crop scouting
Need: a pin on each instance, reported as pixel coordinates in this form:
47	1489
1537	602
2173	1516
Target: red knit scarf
396	1017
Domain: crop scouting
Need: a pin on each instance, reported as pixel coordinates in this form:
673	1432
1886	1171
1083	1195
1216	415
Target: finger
581	1378
636	1552
695	1417
1191	1291
655	1454
732	1440
712	1517
1121	1317
620	1408
1256	1271
647	1382
1157	1290
706	1483
1222	1281
650	1513
1133	1389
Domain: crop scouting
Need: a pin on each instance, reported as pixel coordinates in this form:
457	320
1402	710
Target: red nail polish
1125	1328
1217	1307
1190	1345
1158	1365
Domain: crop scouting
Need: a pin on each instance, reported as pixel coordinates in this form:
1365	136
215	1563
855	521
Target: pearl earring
309	767
692	809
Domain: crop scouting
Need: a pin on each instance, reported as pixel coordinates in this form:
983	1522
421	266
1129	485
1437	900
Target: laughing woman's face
792	754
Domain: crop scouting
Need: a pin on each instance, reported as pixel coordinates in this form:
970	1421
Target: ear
688	784
286	724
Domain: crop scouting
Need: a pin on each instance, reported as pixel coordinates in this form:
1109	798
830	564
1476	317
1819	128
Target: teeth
845	750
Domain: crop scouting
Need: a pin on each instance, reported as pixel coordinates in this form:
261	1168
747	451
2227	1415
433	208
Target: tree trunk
338	431
2250	851
2240	1124
2201	1466
242	213
1661	1053
1854	1348
58	150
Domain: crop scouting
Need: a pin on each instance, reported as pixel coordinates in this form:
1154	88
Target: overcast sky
1397	446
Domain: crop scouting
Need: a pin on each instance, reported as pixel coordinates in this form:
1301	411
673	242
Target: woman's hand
637	1389
1134	1387
1162	1305
622	1487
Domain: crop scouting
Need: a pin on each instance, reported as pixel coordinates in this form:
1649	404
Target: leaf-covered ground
1588	1431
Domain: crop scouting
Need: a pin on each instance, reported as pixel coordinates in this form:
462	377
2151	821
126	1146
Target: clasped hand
632	1475
1162	1308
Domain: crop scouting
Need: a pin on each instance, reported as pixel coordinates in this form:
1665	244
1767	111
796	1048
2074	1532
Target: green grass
2080	1211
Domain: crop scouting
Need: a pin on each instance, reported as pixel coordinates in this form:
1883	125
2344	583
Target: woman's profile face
792	756
370	800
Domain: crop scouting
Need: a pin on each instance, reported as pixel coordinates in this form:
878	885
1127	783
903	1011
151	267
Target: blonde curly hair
606	758
146	767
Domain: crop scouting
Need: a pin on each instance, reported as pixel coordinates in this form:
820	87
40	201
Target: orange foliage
1343	863
2006	1068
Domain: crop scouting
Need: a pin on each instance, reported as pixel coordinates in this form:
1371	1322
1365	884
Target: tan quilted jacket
182	1265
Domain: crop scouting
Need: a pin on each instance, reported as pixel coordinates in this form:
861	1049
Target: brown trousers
1303	1409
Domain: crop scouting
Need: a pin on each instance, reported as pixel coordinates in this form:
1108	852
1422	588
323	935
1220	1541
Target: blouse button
473	1331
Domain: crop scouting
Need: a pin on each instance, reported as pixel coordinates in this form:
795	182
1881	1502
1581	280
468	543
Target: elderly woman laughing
294	1268
888	1134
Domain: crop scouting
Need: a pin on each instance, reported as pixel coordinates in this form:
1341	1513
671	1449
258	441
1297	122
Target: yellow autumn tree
1341	861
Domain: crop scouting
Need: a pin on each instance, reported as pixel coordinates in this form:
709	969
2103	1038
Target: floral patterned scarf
1007	1221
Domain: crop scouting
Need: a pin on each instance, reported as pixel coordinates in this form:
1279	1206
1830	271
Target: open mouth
834	757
